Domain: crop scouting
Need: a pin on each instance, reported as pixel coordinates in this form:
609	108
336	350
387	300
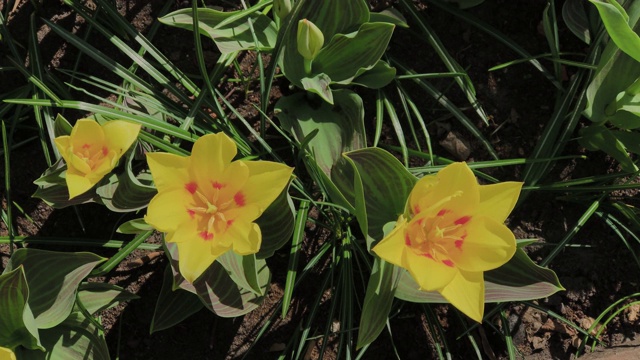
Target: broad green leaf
173	306
53	279
390	15
96	296
319	84
17	325
519	279
616	20
52	188
576	17
75	338
346	54
134	226
627	113
598	137
217	290
229	30
377	301
61	126
339	128
629	139
332	17
378	76
386	186
242	270
276	225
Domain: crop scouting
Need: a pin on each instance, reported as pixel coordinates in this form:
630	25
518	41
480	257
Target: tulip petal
168	210
247	238
457	189
229	183
497	200
488	245
119	135
210	156
420	190
466	293
195	256
87	132
63	143
428	273
391	249
77	183
168	170
266	181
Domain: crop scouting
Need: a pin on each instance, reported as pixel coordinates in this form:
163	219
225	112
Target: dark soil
519	101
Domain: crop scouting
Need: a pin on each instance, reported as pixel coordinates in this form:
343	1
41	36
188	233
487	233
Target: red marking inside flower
86	146
191	187
229	223
447	262
416	209
217	185
428	256
407	240
239	199
442	212
105	151
192	213
206	236
463	220
459	244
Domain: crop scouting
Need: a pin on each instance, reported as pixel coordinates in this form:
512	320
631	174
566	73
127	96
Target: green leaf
75	338
276	225
345	55
390	15
101	296
577	19
17	325
598	137
242	270
386	186
377	301
629	139
616	20
519	279
319	84
61	127
173	306
134	226
339	127
229	30
217	290
53	279
378	76
627	113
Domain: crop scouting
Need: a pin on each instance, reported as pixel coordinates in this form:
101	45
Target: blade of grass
395	122
296	243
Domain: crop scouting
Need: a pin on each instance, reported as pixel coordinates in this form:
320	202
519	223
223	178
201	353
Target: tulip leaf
53	279
519	279
134	226
378	76
229	30
576	16
173	306
346	54
276	225
18	325
385	181
75	338
217	290
319	85
52	188
616	21
61	126
242	270
339	127
599	137
377	301
96	296
390	15
629	139
124	191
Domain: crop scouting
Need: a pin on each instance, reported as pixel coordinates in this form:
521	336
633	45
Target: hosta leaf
346	54
390	15
576	17
519	279
125	192
598	137
629	139
217	290
96	297
319	85
134	226
229	30
378	76
17	325
173	306
53	279
75	338
338	128
616	21
377	301
276	225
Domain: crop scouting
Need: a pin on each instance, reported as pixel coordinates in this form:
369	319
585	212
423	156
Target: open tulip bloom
207	203
93	150
452	231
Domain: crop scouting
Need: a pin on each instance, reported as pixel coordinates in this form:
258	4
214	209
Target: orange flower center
438	237
91	155
211	211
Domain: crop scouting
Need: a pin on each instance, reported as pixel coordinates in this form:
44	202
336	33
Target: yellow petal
488	245
168	170
210	156
195	256
497	200
62	144
392	247
420	190
6	354
246	214
457	189
78	183
247	238
87	132
169	209
119	135
229	183
78	164
266	181
429	274
466	293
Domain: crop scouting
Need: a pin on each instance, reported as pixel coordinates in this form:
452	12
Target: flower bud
310	39
282	8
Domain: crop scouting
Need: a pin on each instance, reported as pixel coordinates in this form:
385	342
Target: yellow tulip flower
6	354
92	151
207	203
454	232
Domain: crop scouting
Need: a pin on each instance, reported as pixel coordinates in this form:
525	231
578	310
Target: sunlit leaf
95	296
173	306
18	325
